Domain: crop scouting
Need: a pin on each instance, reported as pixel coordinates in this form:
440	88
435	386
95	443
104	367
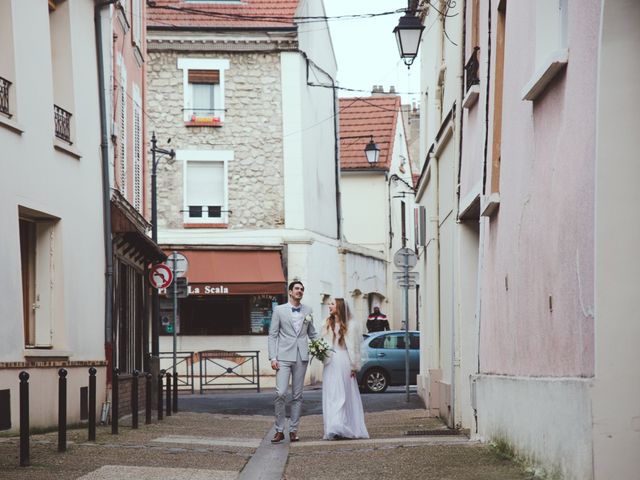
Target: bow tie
293	309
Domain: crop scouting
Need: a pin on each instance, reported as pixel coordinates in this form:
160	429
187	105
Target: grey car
383	360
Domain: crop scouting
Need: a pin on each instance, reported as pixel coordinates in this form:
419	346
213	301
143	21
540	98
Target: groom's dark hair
293	284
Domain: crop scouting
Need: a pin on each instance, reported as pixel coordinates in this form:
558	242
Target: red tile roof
223	13
362	117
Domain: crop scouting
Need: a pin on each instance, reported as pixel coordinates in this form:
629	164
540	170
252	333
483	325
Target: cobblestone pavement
212	446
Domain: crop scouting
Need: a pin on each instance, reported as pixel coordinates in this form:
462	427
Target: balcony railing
62	122
4	96
471	70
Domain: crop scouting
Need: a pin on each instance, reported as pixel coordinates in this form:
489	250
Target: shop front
231	297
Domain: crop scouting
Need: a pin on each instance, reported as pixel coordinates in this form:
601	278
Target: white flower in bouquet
319	348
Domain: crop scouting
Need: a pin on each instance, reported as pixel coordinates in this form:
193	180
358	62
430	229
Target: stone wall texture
252	130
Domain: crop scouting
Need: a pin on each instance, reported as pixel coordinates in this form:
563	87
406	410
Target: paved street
226	436
251	403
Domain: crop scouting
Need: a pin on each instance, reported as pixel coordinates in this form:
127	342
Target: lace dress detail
342	412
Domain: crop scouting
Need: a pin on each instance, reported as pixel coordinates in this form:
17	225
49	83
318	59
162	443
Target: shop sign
208	290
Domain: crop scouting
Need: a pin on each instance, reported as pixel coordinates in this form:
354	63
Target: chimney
392	89
377	89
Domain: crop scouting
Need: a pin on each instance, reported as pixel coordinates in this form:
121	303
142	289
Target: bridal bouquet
319	348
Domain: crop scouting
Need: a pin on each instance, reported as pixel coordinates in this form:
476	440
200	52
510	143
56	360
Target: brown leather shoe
293	437
278	437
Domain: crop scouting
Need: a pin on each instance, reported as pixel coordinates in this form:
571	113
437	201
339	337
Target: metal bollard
168	409
147	399
175	391
160	390
62	410
134	399
115	401
24	419
92	404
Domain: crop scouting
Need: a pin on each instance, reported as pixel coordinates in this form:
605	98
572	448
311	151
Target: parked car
383	360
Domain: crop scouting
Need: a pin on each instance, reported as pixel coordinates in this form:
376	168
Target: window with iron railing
4	96
62	123
471	70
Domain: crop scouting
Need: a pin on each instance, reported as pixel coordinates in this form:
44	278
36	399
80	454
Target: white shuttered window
205	191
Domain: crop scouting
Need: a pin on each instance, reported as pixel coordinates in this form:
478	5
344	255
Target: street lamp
408	34
372	152
155	327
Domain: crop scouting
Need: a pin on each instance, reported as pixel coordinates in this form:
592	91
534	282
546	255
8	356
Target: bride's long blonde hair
340	317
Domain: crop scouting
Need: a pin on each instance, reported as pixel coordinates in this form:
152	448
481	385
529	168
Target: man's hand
274	365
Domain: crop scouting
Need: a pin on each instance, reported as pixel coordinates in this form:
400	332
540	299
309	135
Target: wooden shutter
204	76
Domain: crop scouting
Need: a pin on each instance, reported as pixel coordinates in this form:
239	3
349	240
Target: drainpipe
337	161
106	188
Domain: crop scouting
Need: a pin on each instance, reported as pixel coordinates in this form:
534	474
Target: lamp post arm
395	177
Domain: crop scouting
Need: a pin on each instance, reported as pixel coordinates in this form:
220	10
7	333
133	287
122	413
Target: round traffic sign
405	257
160	276
181	263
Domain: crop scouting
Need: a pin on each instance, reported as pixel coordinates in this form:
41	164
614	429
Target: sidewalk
199	446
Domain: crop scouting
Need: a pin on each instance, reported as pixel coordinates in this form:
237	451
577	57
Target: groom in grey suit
291	326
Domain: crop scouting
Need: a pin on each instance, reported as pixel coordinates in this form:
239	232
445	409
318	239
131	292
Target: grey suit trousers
296	371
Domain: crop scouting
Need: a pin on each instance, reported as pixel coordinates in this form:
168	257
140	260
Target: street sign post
406	259
179	266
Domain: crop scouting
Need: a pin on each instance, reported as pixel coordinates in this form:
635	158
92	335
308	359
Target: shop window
38	263
203	83
214	316
261	310
228	315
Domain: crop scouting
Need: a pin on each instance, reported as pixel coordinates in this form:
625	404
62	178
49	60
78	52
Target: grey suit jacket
284	342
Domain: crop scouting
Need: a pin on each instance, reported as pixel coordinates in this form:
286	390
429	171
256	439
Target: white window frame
192	156
551	44
186	64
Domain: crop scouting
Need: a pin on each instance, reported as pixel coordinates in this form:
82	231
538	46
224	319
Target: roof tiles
222	13
361	118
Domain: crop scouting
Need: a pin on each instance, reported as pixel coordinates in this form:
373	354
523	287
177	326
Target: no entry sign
160	276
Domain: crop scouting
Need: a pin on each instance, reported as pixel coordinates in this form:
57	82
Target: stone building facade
252	130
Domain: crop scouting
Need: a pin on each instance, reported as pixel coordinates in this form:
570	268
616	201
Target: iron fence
220	368
184	366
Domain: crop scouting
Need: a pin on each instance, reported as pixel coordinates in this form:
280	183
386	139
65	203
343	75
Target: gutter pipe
106	187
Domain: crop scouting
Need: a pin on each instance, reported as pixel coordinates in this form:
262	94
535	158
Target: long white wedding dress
342	411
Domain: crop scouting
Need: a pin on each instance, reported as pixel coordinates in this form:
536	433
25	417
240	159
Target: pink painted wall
123	45
541	241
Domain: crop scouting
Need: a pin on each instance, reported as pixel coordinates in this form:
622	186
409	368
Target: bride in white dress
342	411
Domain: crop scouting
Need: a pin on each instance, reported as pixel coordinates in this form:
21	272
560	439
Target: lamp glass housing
408	34
372	152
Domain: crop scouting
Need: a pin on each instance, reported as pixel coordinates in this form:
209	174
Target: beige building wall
56	186
616	388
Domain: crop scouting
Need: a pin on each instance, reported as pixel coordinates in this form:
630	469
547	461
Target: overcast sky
366	48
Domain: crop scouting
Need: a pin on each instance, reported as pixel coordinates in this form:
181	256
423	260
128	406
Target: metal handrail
471	70
4	96
62	123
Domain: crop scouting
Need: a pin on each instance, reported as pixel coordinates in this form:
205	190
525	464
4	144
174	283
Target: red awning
235	272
